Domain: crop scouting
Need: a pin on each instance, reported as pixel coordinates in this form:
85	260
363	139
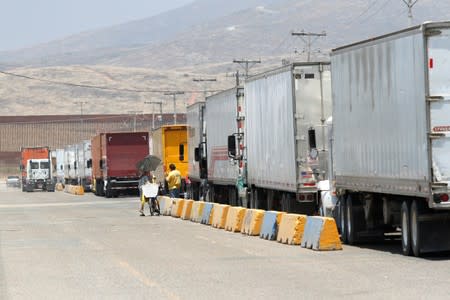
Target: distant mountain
201	39
212	31
110	43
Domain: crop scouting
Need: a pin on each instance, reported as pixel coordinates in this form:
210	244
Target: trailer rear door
439	91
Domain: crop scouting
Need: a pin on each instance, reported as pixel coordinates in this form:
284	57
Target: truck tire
406	228
342	219
354	218
416	209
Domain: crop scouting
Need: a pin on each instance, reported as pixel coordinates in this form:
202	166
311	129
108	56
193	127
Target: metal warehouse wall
59	131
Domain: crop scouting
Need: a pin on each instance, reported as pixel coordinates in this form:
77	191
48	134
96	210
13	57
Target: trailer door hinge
435	136
435	98
433	32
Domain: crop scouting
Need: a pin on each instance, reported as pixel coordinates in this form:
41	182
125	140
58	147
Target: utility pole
153	111
410	4
205	81
309	38
81	103
135	112
174	95
246	64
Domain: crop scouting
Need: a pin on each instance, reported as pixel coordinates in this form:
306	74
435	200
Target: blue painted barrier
207	210
270	224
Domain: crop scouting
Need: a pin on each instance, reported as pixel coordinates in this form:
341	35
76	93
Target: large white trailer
286	136
197	168
391	143
220	116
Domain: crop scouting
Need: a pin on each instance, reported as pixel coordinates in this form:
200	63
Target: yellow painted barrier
291	229
177	208
252	221
59	187
219	215
74	190
235	219
197	211
187	209
321	234
165	205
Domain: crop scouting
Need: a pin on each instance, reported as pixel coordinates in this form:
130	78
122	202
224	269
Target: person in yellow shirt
174	181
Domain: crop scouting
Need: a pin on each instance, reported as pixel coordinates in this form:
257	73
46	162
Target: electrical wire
105	88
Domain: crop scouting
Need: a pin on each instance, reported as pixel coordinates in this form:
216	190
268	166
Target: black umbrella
148	164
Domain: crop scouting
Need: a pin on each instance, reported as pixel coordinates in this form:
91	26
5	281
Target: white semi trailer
197	168
391	141
285	136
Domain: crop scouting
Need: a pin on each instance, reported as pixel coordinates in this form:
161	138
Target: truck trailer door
439	92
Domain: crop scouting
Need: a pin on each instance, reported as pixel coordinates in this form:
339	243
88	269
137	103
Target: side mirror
203	168
312	138
231	146
89	163
75	165
181	152
197	154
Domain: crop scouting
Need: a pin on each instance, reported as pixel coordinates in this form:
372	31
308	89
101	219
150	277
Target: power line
99	87
309	41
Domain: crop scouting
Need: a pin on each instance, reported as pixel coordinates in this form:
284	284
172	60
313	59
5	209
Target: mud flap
434	233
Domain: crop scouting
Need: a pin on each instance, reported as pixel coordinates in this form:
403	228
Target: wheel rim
405	232
414	226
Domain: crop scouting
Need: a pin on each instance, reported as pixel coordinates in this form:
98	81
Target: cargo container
84	164
36	169
70	172
391	137
221	122
285	136
170	144
114	159
58	165
197	160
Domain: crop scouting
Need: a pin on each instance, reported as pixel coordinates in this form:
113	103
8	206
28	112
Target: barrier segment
219	215
197	211
207	213
321	234
235	218
270	225
252	221
74	190
291	229
165	205
177	207
187	209
59	187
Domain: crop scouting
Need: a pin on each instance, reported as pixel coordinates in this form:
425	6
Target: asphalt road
61	246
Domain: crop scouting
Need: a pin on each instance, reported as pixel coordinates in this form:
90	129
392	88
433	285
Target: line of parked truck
106	164
364	138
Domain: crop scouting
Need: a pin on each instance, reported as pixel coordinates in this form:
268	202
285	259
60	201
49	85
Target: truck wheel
353	219
406	228
342	219
108	192
416	209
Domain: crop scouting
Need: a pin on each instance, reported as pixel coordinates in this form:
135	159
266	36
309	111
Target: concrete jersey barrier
207	213
321	234
235	219
177	207
187	209
219	214
271	222
291	229
165	205
252	221
197	211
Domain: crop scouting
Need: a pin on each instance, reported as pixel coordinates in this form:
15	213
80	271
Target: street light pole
153	111
205	81
81	116
174	95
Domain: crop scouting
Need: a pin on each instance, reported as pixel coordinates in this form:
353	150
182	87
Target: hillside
166	52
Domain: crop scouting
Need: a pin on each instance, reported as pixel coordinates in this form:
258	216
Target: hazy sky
28	22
